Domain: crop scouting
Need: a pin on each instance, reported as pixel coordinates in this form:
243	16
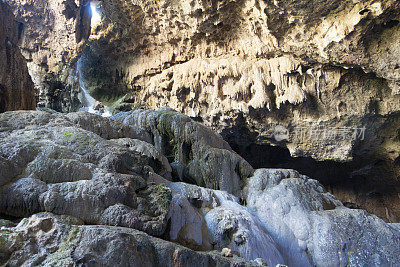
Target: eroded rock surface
289	219
246	66
197	154
51	35
50	163
109	188
209	219
16	87
50	240
313	228
242	67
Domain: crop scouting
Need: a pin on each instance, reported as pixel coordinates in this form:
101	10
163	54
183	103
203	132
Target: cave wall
52	36
16	87
245	66
242	67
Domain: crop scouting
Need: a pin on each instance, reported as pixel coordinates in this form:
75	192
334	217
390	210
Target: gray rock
203	218
163	167
52	163
196	153
313	228
50	240
106	128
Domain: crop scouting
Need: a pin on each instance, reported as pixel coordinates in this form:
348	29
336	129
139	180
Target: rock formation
197	154
50	240
246	66
252	133
52	35
108	189
16	87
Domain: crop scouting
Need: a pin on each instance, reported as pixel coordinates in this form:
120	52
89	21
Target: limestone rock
207	219
50	240
101	186
164	168
197	154
108	129
50	163
248	66
16	87
313	228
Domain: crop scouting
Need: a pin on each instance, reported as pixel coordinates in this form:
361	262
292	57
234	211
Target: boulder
207	219
144	148
196	153
46	239
52	163
313	228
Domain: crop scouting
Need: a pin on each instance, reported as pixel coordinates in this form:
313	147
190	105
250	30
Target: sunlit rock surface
209	219
313	228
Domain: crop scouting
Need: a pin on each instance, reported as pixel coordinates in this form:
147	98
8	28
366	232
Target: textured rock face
110	187
52	34
289	218
313	227
245	66
104	172
49	240
16	87
209	219
197	154
49	163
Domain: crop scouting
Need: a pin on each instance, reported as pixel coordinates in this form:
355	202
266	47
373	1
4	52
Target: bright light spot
96	17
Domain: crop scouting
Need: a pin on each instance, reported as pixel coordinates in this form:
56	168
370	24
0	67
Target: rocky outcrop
323	71
313	228
289	218
245	66
148	150
16	87
205	219
109	188
49	163
50	240
52	35
197	154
